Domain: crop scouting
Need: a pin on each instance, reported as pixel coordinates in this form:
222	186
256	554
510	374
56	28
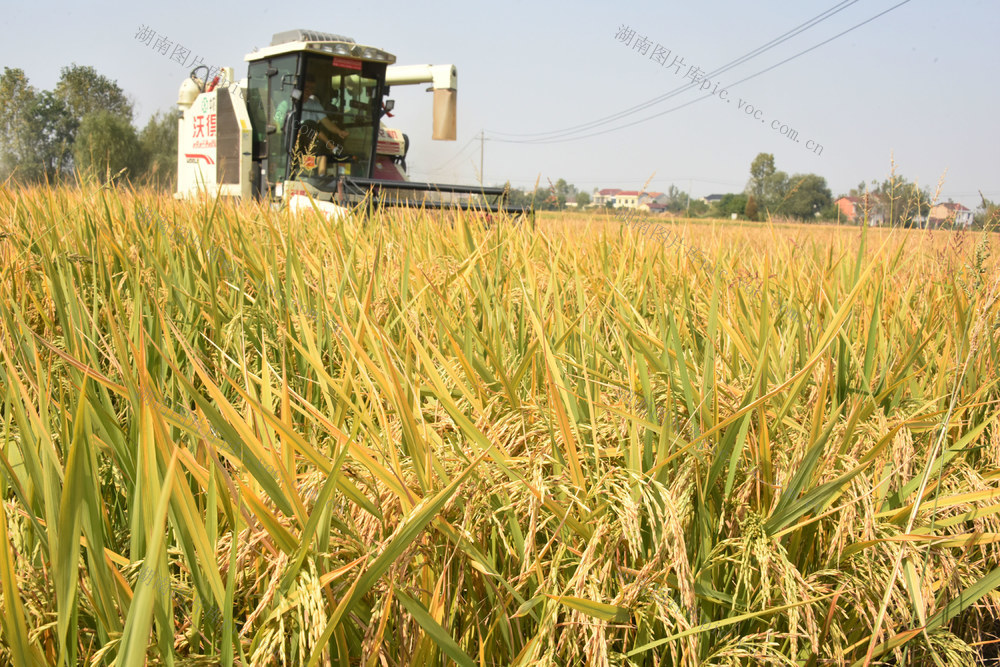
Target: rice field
230	436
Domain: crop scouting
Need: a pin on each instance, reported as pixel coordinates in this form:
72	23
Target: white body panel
198	168
301	204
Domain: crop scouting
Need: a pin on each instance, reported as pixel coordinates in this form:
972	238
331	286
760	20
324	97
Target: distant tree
987	214
518	197
732	203
761	169
107	143
768	186
905	200
52	129
558	193
561	191
564	189
698	208
829	212
37	131
84	91
17	99
777	190
582	199
807	195
751	208
898	200
677	199
895	199
546	199
159	143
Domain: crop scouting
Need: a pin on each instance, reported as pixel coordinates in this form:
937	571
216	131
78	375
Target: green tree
52	131
899	200
761	170
84	91
560	191
777	190
37	131
517	197
829	212
987	214
555	196
582	199
107	143
860	190
545	199
17	99
905	200
768	186
807	195
732	203
698	208
564	189
159	143
677	199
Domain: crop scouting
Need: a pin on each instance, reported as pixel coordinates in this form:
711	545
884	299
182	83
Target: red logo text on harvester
204	126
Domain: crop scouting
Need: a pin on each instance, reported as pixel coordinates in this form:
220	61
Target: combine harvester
305	127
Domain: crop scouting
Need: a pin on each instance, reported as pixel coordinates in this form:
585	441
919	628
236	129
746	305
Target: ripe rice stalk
231	435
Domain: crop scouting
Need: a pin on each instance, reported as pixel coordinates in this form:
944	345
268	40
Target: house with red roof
627	199
648	199
849	208
606	197
949	213
853	208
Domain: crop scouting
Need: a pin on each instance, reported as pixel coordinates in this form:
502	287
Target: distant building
571	203
712	199
606	197
648	199
627	199
853	208
950	213
849	207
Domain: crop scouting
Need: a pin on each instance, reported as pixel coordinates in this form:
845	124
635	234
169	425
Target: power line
730	65
698	99
456	155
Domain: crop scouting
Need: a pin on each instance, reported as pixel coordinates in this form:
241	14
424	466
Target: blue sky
913	85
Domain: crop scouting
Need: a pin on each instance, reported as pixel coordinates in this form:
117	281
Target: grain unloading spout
444	80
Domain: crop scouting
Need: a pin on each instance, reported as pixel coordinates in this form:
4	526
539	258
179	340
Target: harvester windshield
315	117
339	121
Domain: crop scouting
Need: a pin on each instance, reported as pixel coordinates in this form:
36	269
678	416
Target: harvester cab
306	124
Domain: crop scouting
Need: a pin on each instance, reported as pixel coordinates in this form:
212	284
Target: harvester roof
293	41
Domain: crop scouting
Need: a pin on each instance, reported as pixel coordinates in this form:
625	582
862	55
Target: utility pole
482	138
